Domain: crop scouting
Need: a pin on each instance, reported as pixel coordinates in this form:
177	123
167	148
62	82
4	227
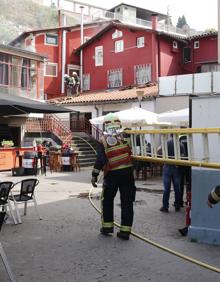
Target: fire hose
168	250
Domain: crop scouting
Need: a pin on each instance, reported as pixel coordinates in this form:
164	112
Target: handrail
52	124
199	141
87	143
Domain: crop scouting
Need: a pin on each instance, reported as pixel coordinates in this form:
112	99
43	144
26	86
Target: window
86	82
4	69
119	46
142	74
186	55
51	39
175	45
140	42
99	56
114	78
116	34
196	44
51	69
25	73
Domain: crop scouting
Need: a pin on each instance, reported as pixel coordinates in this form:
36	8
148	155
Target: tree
181	22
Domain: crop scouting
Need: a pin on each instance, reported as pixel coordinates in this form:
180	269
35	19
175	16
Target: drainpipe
154	48
81	51
63	56
218	31
97	111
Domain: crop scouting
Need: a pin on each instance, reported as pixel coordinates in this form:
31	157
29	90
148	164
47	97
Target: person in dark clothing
114	157
185	172
171	174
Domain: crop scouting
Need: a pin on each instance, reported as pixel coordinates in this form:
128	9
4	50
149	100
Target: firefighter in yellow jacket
114	158
214	196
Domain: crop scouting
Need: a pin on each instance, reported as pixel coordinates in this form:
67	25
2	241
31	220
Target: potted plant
7	143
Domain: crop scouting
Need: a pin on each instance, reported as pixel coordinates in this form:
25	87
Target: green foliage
210	30
181	22
17	16
7	143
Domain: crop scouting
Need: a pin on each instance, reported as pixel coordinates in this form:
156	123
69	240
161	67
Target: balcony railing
50	123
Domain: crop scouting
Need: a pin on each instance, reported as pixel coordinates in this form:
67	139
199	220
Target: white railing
93	13
188	84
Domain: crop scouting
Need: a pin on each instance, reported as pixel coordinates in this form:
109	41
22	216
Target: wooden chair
74	162
55	161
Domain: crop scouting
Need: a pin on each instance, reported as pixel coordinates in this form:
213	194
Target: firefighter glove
94	181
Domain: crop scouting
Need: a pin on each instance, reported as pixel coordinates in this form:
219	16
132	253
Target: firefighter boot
107	231
123	235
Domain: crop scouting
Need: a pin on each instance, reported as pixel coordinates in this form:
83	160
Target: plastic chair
26	195
5	188
2	252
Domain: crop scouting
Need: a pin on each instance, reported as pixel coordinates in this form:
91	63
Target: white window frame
86	81
175	45
98	56
51	64
111	73
119	46
142	74
52	35
196	44
140	42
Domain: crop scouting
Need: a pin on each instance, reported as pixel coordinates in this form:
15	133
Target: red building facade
118	55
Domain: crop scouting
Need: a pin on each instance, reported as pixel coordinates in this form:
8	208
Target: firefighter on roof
114	158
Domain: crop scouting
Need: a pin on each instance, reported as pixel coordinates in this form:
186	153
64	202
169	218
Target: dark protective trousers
122	180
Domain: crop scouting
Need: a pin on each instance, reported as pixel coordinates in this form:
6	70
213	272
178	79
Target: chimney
218	31
154	19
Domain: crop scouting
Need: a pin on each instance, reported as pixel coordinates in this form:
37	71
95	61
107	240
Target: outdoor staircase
85	146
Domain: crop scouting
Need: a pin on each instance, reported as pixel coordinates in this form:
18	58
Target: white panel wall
198	83
184	84
167	85
216	82
202	82
205	113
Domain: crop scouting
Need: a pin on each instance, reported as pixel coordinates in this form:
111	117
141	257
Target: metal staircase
85	146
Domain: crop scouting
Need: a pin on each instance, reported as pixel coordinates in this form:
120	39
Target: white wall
205	113
165	104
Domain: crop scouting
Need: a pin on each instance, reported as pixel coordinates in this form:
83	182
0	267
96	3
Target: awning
16	105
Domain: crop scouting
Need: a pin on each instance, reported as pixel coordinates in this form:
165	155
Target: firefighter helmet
112	124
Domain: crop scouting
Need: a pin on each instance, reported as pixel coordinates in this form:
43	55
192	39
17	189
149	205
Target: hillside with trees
17	16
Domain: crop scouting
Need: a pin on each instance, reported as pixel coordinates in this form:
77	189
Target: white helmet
112	124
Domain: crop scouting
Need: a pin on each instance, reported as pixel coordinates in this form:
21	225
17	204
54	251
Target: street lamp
140	94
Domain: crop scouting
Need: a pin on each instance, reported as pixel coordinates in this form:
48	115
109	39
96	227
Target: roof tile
106	96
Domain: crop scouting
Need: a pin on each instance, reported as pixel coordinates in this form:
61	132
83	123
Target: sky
199	14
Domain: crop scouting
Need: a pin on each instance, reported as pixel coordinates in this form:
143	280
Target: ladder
203	146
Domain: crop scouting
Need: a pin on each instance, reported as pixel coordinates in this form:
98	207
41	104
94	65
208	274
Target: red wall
52	85
73	42
127	59
206	53
170	60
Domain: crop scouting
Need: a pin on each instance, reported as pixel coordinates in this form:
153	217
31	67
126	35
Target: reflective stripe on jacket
118	155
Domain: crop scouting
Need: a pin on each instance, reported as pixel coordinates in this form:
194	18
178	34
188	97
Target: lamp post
140	94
